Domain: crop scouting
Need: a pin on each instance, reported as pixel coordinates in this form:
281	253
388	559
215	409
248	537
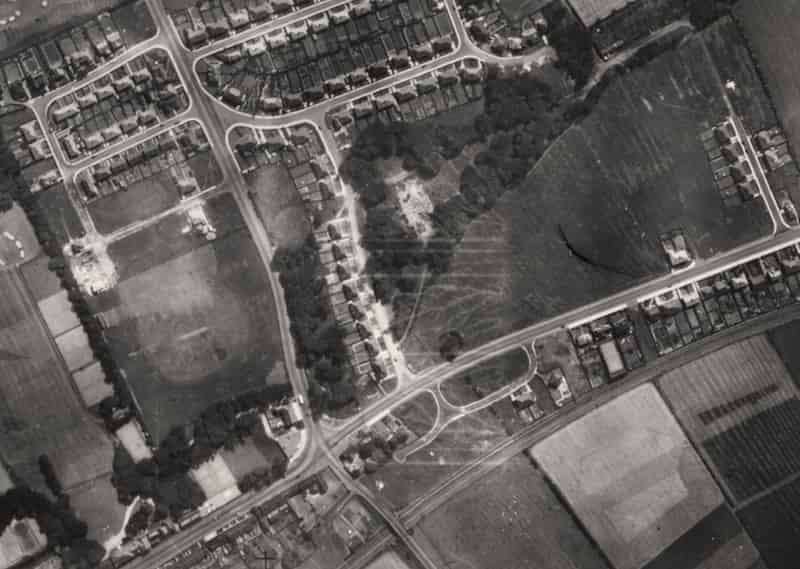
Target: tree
450	345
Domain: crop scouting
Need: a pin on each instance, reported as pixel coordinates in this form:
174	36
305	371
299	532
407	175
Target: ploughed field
587	219
193	321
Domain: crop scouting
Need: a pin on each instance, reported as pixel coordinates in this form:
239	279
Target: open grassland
486	378
197	326
40	410
773	32
731	54
461	442
418	414
279	205
740	408
510	519
631	476
586	221
37	22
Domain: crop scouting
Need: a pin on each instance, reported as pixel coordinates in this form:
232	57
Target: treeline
58	523
318	339
571	40
165	477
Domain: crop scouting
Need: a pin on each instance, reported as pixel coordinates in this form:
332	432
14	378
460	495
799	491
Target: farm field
772	32
37	22
632	478
40	410
773	522
784	340
486	378
740	408
511	519
459	444
196	320
655	177
279	205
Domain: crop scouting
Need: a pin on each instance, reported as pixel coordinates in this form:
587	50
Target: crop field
631	476
486	378
511	519
784	340
773	522
279	205
591	211
772	31
40	411
459	444
740	408
197	320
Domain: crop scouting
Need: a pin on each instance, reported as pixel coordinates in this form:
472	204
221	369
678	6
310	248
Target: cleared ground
40	410
279	205
511	519
740	408
773	32
631	476
587	219
486	378
197	320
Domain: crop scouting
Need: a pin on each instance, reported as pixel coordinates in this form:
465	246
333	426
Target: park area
511	518
192	320
740	408
586	221
633	479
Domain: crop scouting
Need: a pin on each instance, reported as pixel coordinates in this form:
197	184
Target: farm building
91	382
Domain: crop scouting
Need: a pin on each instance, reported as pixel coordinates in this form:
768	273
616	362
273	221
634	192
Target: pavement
327	438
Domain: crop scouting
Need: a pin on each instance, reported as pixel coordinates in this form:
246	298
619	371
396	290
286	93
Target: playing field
40	410
773	32
740	408
631	476
586	221
510	519
197	323
18	243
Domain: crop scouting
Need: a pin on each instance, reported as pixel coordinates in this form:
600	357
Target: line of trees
320	347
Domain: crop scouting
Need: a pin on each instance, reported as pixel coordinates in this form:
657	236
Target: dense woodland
320	346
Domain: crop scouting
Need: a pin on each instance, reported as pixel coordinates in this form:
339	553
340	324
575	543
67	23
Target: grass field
460	443
418	414
486	378
96	503
37	22
587	219
510	519
198	323
62	219
740	408
773	32
40	411
279	205
631	476
18	243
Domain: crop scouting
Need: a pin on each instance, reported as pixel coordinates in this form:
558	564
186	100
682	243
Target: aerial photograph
399	284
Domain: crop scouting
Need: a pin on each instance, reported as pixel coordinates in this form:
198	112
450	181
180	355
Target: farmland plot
511	519
630	475
40	410
586	221
741	410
